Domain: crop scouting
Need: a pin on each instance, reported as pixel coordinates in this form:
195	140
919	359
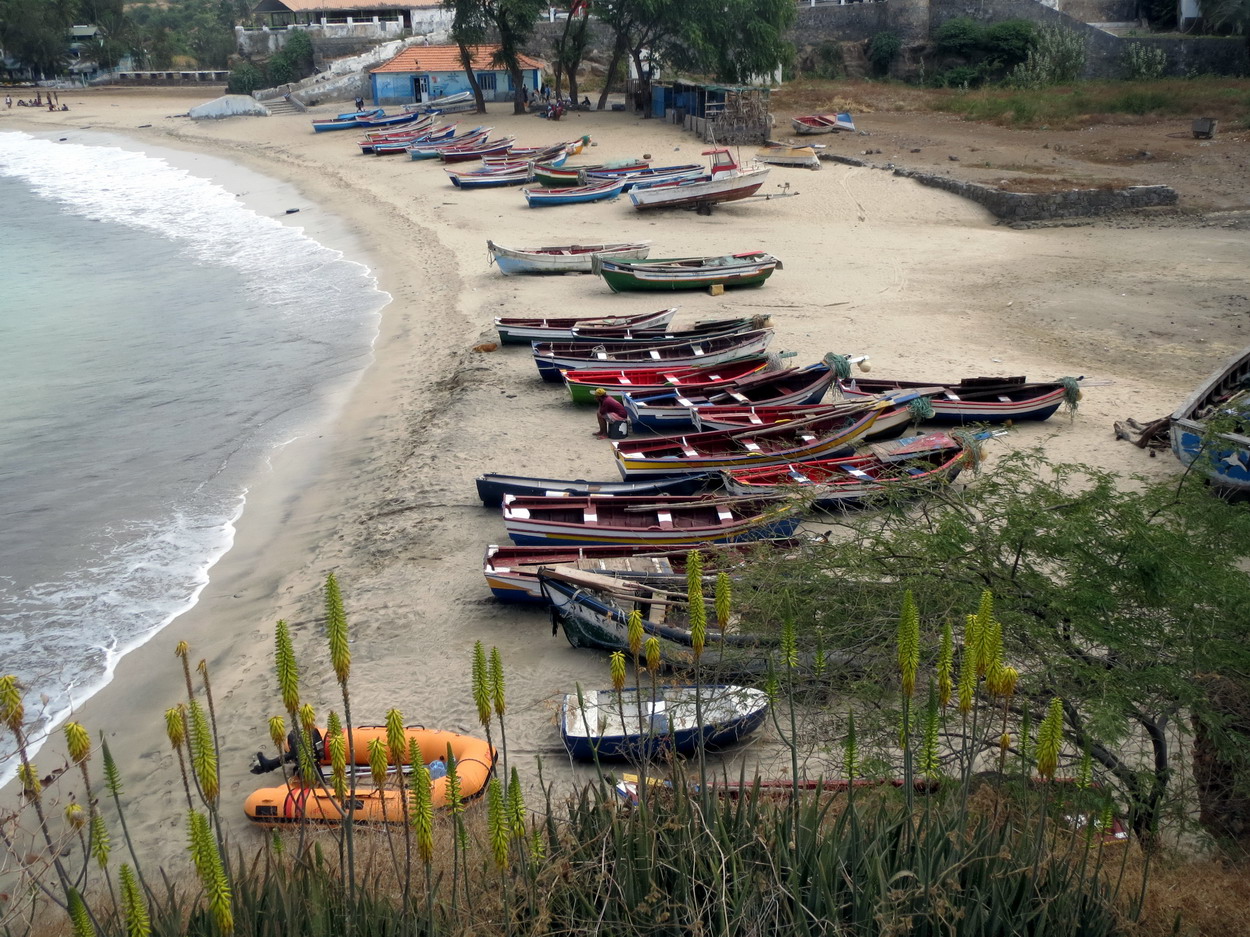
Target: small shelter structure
421	73
723	114
279	13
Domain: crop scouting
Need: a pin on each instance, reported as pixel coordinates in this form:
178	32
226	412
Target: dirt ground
1210	175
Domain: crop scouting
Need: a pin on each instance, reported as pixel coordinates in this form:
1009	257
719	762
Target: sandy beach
921	280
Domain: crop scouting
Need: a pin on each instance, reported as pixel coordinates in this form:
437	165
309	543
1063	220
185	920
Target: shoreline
918	278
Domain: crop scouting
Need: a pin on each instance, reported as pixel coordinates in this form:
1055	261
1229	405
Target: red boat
476	150
582	384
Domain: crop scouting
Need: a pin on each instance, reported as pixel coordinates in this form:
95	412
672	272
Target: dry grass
1209	897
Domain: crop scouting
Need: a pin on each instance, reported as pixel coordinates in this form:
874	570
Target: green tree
513	21
468	29
882	48
570	48
1119	602
735	41
35	33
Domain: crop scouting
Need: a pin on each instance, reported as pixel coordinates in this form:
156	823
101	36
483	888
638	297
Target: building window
486	81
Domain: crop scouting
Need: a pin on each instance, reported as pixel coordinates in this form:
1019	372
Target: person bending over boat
609	409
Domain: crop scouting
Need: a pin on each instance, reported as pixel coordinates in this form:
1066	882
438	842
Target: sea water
158	340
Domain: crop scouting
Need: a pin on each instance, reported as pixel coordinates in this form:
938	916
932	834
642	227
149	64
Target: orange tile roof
447	59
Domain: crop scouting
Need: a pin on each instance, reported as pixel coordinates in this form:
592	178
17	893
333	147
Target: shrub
881	51
1142	62
1008	43
961	76
961	36
1058	57
244	79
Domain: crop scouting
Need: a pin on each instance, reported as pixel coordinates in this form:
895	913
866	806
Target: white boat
729	182
804	156
823	123
1211	429
568	258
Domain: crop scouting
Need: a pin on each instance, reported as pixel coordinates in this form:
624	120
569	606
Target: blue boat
538	197
492	486
347	121
389	120
1210	431
689	171
491	178
635	724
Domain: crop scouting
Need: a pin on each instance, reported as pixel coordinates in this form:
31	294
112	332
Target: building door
421	88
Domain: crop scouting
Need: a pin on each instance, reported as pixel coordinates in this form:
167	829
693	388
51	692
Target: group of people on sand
34	102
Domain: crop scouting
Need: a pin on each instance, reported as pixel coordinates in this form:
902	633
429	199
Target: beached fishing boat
776	154
472	151
512	572
515	330
553	154
345	121
492	487
706	328
447	104
727	182
553	360
582	384
565	176
570	258
661	521
898	469
822	437
823	123
421	130
749	268
293	801
641	723
668	410
432	149
386	121
1210	431
492	178
643	176
538	197
977	399
891	423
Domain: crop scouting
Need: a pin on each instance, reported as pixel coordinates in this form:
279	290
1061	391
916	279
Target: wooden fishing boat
644	176
822	437
780	155
705	328
395	147
432	149
518	330
293	802
823	123
564	176
658	520
447	104
553	359
593	611
643	723
492	487
1210	431
977	399
891	423
406	136
728	182
749	268
582	384
538	197
472	151
541	154
491	178
898	469
669	410
345	121
390	120
512	572
570	258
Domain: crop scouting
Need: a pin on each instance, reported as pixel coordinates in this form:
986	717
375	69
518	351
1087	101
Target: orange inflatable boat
293	801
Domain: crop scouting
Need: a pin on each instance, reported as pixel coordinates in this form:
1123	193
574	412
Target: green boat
687	273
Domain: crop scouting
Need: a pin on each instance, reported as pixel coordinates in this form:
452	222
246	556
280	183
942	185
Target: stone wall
1020	206
839	23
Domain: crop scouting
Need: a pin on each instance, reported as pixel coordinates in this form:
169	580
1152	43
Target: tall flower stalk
908	642
341	660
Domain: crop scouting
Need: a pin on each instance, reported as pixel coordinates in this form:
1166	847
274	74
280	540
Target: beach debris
292	211
485	346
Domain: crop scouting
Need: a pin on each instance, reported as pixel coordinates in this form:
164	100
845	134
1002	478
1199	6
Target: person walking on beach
8	102
609	409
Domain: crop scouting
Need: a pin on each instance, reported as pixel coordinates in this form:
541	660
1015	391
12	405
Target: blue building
420	73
